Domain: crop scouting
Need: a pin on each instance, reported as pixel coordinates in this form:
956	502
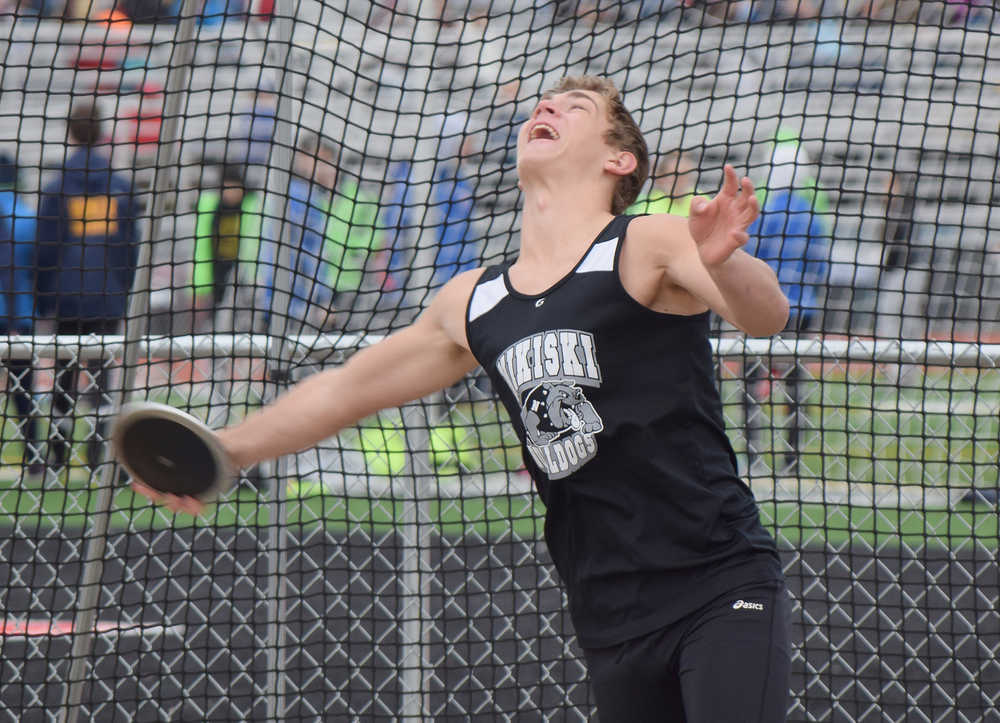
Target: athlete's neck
557	227
555	234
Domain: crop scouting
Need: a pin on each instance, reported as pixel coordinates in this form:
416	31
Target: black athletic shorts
729	662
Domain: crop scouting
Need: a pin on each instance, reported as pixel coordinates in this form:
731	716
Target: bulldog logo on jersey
551	411
548	373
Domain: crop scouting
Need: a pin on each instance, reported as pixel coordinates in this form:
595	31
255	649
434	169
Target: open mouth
543	131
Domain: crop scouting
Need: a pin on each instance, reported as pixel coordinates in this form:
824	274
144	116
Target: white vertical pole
164	182
415	566
278	51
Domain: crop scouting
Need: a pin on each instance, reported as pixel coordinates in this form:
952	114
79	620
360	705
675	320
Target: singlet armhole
483	300
622	241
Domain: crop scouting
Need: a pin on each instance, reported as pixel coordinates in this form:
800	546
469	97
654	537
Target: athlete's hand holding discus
172	457
180	500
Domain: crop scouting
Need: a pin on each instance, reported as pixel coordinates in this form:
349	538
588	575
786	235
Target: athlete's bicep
430	354
669	251
408	365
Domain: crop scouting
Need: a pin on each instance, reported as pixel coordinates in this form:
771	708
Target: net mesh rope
304	176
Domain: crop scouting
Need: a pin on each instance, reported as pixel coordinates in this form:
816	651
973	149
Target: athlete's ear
620	163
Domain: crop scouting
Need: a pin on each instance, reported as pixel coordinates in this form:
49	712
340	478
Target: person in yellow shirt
673	187
227	237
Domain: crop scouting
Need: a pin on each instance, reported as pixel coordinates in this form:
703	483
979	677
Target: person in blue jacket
310	190
453	197
17	303
87	254
793	239
331	229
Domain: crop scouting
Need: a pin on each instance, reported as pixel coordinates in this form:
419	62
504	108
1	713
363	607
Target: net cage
275	185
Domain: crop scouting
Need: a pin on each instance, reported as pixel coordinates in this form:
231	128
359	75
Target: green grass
799	525
796	525
493	517
940	428
939	431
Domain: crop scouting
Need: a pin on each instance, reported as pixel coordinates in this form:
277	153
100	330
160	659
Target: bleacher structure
398	572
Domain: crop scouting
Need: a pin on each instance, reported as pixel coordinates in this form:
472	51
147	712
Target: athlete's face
568	125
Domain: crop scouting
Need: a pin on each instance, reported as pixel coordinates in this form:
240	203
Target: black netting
202	202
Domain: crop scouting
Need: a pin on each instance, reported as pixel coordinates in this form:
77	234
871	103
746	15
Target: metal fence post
415	566
279	170
167	158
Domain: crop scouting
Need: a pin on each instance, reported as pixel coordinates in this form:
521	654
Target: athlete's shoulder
659	224
448	308
657	237
459	287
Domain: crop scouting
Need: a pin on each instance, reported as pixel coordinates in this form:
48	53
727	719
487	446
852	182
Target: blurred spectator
17	305
457	251
215	12
758	10
141	124
332	235
114	20
450	204
655	8
900	11
250	144
402	222
41	8
829	51
673	187
309	194
788	9
151	11
353	241
227	242
897	277
504	126
723	10
789	153
591	11
262	10
453	199
972	12
87	251
899	219
382	14
793	239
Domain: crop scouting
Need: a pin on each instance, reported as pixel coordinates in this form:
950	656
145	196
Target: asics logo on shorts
747	605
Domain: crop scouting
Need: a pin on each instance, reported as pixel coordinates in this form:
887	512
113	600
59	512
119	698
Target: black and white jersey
621	424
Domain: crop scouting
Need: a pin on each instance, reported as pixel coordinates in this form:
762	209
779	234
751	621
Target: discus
171	451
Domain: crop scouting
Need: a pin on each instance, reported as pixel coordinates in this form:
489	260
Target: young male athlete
596	340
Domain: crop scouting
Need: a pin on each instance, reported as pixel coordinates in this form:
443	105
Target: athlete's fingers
191	505
751	210
729	183
148	492
187	504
